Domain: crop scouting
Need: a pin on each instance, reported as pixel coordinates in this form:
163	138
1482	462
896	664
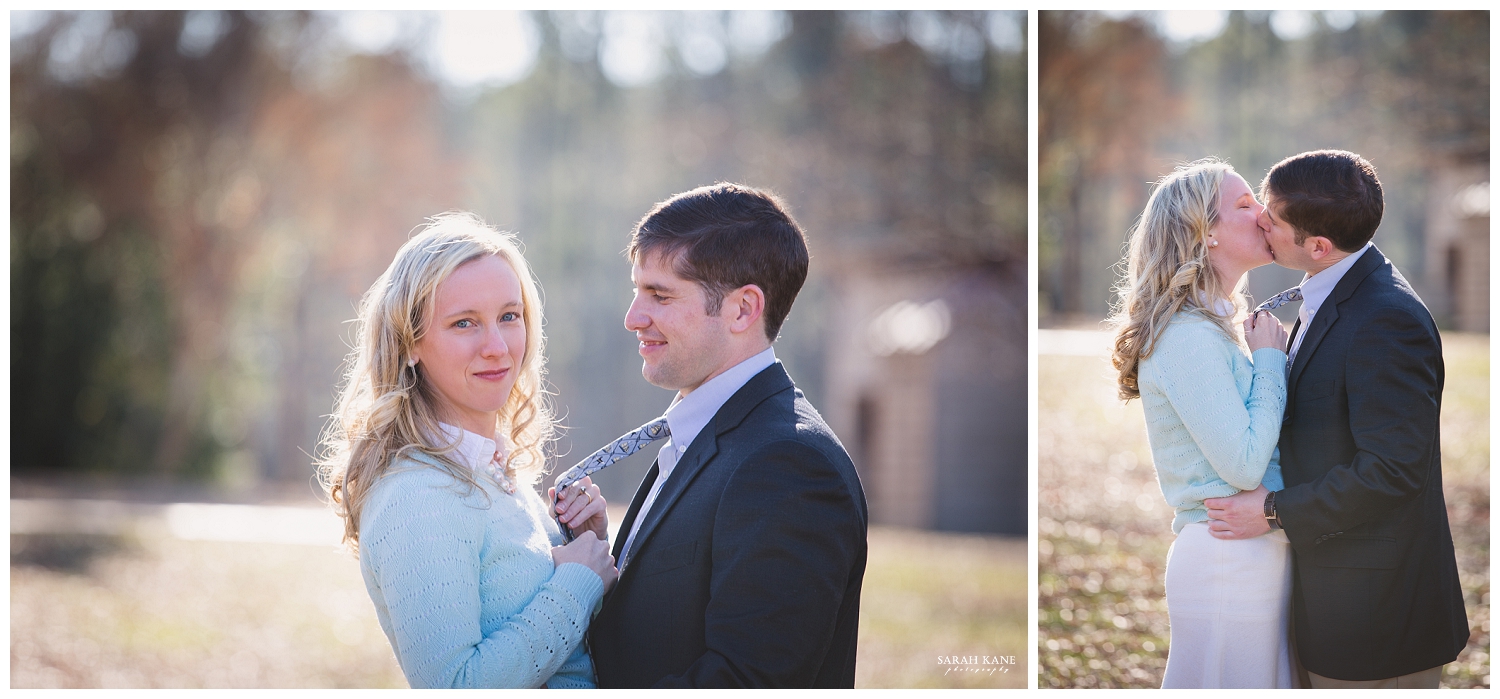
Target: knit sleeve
576	673
1195	371
424	542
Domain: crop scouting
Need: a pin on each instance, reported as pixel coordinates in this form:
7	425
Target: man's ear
1318	247
744	306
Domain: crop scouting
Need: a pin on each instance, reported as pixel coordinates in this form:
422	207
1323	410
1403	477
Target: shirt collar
473	450
1222	306
1317	287
688	416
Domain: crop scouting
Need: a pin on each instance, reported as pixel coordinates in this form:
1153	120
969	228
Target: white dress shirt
473	451
686	417
1315	290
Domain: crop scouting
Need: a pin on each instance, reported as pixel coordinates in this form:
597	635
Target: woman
1213	403
438	437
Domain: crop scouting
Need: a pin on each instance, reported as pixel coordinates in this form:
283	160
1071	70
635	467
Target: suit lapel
635	508
686	470
1329	312
767	383
1315	332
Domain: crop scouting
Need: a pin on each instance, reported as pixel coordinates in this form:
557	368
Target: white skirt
1229	603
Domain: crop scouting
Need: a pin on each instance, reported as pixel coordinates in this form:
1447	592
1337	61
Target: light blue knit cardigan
464	584
1213	415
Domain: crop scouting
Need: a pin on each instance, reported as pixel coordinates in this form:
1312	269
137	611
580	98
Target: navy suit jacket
1376	592
747	569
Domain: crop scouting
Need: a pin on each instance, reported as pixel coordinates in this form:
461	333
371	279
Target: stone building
926	381
1457	288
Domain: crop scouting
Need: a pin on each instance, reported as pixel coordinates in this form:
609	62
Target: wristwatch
1270	511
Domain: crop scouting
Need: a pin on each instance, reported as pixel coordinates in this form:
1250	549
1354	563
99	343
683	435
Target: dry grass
928	595
116	612
169	613
1104	529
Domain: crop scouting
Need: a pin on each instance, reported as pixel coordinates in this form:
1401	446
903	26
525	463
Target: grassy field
1104	529
130	612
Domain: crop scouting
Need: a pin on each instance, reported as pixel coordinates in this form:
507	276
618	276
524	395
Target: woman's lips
495	375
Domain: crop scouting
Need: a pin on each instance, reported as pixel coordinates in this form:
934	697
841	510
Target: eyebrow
472	312
655	287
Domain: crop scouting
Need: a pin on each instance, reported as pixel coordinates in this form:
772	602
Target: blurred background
1125	97
199	198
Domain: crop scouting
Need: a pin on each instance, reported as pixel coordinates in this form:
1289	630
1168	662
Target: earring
411	362
1213	243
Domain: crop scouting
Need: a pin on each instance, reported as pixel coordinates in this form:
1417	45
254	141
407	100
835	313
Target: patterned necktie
1281	299
630	443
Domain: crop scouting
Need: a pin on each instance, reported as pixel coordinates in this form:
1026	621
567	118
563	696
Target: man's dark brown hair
724	236
1330	193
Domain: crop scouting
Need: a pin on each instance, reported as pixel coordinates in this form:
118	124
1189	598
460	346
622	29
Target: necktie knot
1281	299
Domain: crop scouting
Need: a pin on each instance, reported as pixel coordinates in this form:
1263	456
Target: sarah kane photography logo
976	664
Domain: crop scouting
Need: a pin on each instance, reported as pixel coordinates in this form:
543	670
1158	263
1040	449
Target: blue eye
465	323
510	317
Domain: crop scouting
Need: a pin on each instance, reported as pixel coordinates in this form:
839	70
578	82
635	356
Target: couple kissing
1313	546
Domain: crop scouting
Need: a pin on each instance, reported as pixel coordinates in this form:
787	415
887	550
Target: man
743	551
1376	597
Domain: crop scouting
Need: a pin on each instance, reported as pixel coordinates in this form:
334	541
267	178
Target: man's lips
647	345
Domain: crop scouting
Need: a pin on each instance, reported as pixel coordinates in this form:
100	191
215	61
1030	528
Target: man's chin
658	378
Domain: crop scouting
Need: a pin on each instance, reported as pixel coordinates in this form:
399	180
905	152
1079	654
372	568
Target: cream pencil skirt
1229	603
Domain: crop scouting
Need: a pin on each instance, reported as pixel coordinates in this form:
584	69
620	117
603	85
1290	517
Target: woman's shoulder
1194	329
1193	322
413	465
414	478
1185	338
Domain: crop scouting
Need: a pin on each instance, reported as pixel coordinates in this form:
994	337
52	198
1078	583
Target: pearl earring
411	362
1213	243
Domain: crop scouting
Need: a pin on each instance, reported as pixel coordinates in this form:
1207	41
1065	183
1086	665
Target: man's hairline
639	253
1268	191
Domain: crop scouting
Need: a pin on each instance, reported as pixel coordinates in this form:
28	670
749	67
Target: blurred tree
202	197
1103	100
133	141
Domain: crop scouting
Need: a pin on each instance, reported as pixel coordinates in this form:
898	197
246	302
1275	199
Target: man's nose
635	318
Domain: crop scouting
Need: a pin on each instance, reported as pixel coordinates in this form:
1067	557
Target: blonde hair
1167	267
386	409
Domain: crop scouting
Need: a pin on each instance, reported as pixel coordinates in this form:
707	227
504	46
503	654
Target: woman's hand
1263	330
590	551
582	508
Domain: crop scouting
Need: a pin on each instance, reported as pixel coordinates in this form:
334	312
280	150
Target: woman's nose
494	341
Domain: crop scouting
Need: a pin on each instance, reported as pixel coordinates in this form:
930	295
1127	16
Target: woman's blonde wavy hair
387	410
1167	268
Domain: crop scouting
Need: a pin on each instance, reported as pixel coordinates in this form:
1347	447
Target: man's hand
1239	516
